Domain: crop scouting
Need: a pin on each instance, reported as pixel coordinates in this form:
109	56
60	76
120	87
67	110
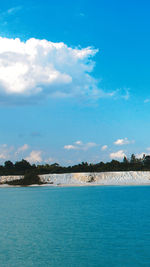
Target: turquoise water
75	227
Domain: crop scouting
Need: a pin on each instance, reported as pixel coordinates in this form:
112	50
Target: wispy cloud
122	93
51	160
79	145
103	148
5	15
81	14
6	151
22	148
13	10
147	100
125	93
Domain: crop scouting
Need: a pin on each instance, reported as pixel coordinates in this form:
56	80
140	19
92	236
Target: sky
74	80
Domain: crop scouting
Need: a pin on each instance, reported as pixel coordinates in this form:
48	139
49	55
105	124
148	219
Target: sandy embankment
87	179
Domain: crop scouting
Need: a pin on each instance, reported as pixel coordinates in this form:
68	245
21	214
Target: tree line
23	167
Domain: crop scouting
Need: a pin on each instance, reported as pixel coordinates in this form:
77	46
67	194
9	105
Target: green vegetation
24	168
29	179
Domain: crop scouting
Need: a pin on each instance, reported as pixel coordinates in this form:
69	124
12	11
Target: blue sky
82	94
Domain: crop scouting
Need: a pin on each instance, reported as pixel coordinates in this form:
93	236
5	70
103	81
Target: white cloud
3	156
124	141
79	145
7	14
104	147
12	153
140	155
69	147
88	145
35	69
125	93
23	148
39	68
35	156
6	151
13	10
117	155
50	160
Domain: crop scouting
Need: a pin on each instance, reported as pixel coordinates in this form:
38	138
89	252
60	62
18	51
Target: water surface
75	227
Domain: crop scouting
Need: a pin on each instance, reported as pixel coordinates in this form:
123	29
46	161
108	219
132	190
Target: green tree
8	165
133	159
22	166
125	160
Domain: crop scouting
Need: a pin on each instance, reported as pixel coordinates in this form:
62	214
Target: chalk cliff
102	178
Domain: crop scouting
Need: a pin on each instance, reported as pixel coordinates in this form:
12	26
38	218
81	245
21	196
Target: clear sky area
74	80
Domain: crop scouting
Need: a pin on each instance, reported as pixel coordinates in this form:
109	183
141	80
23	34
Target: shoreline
73	185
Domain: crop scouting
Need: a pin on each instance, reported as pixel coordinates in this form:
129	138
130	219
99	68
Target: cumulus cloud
117	155
12	153
79	145
35	156
104	147
40	68
124	141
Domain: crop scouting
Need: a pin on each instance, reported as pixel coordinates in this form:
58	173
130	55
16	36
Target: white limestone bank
101	178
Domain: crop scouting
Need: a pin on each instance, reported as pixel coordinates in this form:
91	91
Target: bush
29	179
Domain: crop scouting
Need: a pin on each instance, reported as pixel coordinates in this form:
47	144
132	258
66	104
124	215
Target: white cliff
101	178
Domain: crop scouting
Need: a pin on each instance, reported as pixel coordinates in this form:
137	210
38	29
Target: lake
75	226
